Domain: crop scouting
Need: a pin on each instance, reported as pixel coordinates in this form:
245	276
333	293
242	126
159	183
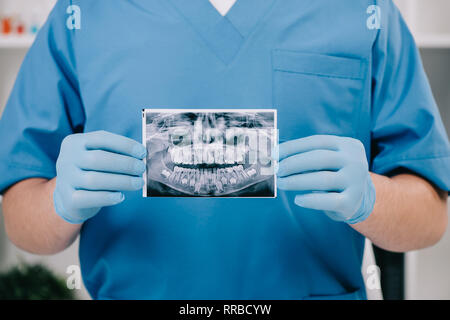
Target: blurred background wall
427	271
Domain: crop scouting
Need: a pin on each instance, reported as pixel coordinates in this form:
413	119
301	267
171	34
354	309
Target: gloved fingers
313	181
310	161
310	143
83	199
114	143
99	160
102	181
324	201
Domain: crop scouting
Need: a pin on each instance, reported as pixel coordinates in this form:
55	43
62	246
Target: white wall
28	9
10	60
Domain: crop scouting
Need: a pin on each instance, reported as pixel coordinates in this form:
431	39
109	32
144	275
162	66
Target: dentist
364	152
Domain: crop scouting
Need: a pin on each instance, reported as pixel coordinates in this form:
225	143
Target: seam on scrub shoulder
390	160
28	167
318	74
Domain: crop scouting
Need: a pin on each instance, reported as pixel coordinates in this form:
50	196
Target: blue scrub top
316	62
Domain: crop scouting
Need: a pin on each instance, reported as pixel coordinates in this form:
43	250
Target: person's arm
409	213
31	221
330	174
93	170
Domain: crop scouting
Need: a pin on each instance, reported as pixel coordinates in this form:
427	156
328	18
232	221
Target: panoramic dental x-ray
209	153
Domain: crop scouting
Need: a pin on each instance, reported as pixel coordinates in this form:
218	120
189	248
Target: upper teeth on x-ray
209	153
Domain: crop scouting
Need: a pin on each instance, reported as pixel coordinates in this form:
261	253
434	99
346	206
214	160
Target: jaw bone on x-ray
210	153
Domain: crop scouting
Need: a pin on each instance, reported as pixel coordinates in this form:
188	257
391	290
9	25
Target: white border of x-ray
274	142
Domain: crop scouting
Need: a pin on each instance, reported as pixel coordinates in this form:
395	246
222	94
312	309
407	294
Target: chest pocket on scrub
316	94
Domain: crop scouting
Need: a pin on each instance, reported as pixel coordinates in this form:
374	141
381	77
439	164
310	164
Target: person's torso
308	59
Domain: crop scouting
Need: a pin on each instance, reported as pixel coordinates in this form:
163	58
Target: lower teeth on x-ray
209	153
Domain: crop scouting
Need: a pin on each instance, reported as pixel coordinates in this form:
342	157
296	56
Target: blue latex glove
92	171
330	173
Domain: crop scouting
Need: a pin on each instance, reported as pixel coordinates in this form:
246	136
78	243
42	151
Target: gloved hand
92	171
331	173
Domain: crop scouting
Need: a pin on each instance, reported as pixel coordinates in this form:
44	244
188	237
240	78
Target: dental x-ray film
210	153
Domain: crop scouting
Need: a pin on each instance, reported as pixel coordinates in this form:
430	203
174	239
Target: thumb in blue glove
330	173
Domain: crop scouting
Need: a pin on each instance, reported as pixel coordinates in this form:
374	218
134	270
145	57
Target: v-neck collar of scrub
225	35
223	6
